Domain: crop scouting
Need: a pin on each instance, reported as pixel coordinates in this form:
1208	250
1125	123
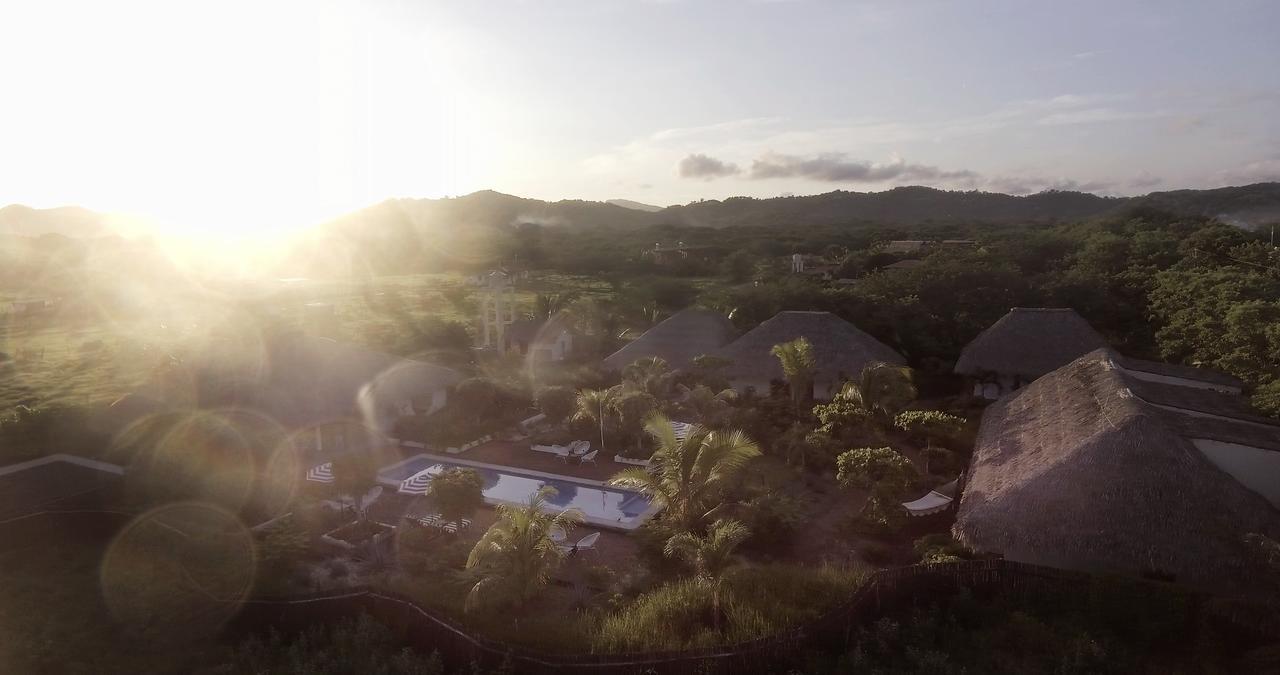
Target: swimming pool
600	504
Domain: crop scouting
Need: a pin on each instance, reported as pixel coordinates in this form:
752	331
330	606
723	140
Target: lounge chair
587	543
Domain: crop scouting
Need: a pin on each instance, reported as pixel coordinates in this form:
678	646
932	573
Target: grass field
78	355
53	618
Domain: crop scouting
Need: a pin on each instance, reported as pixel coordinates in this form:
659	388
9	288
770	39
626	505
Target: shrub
457	492
476	395
556	402
876	553
773	518
337	569
939	547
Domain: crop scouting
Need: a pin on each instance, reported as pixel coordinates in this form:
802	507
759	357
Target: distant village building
31	305
671	255
813	266
685	335
917	247
904	247
1094	468
840	348
908	264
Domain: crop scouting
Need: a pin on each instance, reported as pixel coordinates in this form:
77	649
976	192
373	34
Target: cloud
833	167
1260	171
1145	179
1026	185
1095	116
698	165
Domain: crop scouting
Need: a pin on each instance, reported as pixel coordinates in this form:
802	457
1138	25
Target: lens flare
179	571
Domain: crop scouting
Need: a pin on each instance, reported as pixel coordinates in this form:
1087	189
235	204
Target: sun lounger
587	543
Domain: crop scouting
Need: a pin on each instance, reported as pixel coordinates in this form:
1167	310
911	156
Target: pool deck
517	455
518	458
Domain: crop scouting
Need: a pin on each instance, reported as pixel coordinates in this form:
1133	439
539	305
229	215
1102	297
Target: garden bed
357	533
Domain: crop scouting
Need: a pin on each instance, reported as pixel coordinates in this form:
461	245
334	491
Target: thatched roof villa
840	348
1091	468
1028	342
1023	345
677	340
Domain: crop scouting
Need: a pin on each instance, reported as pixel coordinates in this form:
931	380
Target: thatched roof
1077	471
1185	372
677	340
1029	342
315	380
840	348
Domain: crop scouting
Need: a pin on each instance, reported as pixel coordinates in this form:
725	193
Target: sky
254	116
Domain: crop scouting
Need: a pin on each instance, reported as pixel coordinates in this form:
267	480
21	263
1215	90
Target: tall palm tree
595	405
706	405
799	365
882	389
689	476
516	556
651	375
709	556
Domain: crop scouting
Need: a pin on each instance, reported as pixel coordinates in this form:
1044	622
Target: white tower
497	310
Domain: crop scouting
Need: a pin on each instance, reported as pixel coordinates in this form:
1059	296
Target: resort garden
764	508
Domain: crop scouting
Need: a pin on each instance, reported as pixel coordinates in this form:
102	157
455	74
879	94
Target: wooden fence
885	591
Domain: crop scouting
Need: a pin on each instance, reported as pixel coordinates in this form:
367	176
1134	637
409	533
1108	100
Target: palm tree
709	556
798	364
706	405
594	405
688	477
651	375
516	556
882	389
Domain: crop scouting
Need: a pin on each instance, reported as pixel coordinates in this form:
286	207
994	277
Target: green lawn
53	617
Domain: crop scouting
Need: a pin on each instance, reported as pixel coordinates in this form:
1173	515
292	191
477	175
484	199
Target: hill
70	221
639	206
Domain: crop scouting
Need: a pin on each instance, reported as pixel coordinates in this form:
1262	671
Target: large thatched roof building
677	340
1091	468
840	349
1023	345
1031	341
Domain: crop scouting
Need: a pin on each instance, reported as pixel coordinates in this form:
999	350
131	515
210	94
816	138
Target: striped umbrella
417	483
321	474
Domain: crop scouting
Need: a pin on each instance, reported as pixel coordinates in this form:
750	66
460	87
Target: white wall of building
1255	468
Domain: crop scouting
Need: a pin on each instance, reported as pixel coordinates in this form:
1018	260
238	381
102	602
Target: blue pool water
598	503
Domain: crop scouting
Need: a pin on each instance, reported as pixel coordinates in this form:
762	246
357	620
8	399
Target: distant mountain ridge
639	206
1249	205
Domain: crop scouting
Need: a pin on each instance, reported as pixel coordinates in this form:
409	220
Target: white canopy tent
937	501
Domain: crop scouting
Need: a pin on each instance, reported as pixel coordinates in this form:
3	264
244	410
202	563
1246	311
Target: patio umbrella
321	474
417	483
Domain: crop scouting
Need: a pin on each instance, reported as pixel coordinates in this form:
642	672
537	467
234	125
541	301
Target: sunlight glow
234	119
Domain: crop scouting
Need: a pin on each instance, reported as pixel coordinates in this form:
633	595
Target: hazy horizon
247	118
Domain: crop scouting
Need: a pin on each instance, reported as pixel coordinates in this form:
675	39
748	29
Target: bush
939	547
456	493
556	402
877	553
337	569
349	646
773	518
476	395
